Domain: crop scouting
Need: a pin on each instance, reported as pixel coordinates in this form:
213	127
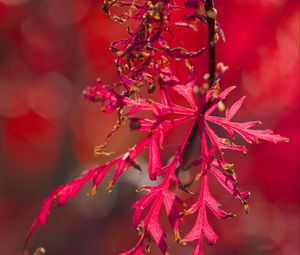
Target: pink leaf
214	206
173	213
128	158
229	184
201	226
230	113
138	249
154	158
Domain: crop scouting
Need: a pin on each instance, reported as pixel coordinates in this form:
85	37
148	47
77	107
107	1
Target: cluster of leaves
144	60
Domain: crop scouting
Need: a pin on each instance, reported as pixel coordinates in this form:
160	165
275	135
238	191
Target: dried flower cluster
144	65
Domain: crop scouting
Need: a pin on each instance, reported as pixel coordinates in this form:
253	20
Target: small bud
141	229
39	251
216	37
189	66
178	238
216	29
206	76
109	187
196	89
227	166
246	207
148	248
197	178
98	151
221	68
184	204
165	61
204	88
119	69
226	141
184	213
121	53
160	78
133	88
212	13
221	106
216	88
139	84
129	30
140	189
92	192
150	28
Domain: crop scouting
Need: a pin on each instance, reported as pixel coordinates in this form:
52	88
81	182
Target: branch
211	14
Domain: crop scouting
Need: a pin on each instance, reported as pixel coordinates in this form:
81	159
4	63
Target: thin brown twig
211	13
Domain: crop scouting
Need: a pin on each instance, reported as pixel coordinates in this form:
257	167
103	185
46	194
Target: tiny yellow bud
178	238
221	106
206	76
227	166
196	89
189	66
39	251
140	189
121	53
212	13
109	187
165	61
216	37
226	141
92	192
246	207
197	177
147	248
129	30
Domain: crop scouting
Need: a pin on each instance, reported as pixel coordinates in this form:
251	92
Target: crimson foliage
146	60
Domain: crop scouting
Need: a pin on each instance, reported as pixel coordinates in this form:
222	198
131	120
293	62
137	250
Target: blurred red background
51	49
